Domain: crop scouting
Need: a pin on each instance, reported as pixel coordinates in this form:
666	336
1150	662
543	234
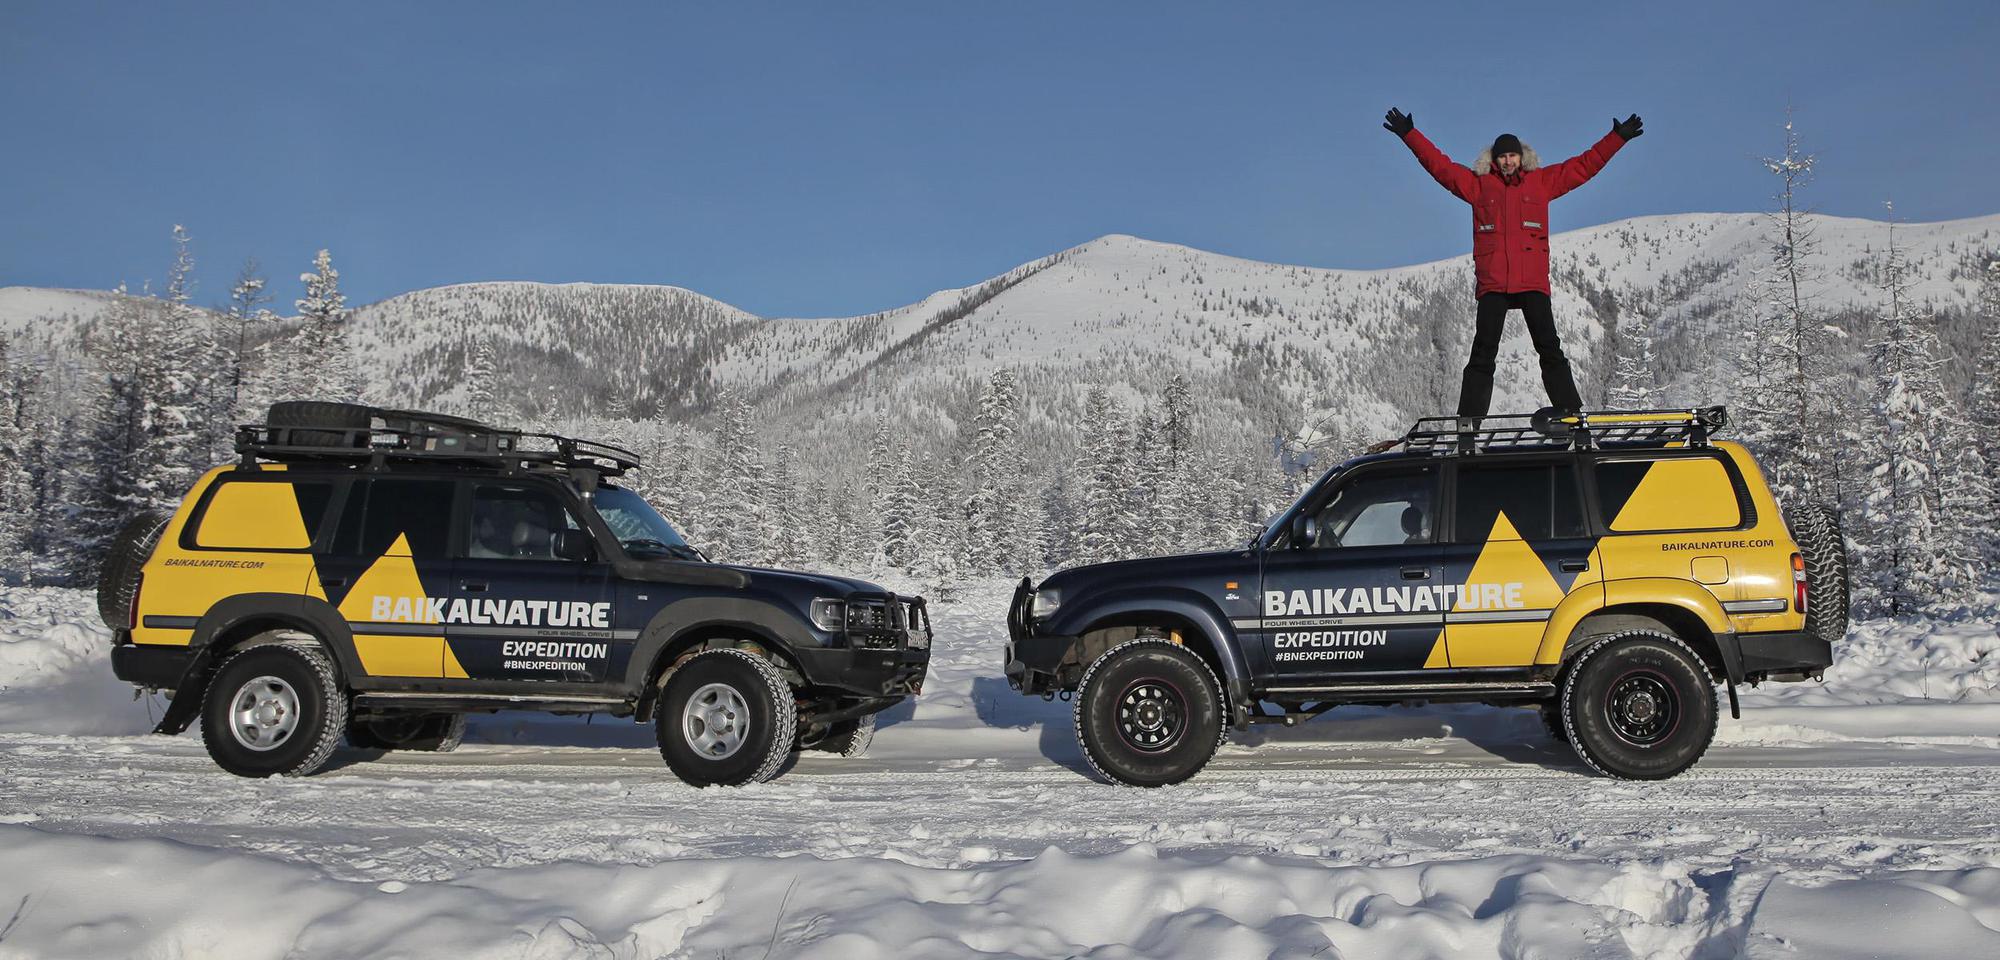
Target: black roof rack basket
413	435
1577	431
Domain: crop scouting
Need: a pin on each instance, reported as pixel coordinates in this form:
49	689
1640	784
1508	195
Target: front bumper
885	658
1034	664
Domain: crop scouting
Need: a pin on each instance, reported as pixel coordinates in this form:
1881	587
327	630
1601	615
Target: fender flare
1659	591
309	614
1183	604
758	619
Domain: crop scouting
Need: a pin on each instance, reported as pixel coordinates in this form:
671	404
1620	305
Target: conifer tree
1783	416
1911	546
322	362
1985	413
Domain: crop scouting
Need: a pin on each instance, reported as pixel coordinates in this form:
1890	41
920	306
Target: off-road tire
1676	729
336	417
321	710
770	719
428	732
1141	690
1552	720
118	578
1816	528
848	738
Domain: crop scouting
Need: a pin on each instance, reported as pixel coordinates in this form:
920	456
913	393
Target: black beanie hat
1507	143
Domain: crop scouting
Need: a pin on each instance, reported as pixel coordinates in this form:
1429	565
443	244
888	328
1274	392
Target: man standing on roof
1509	191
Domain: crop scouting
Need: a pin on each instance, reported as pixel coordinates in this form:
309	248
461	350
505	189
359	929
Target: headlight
829	613
1046	603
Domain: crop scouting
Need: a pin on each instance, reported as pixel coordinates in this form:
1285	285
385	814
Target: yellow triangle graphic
1438	657
1508	559
393	575
451	665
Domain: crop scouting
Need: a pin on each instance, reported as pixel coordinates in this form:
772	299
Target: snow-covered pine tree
1634	382
902	512
16	495
482	399
245	315
741	512
320	362
183	435
1908	548
1985	413
993	477
1783	416
1105	532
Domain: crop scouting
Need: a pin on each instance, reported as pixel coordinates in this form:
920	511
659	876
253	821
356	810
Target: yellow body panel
1696	571
267	535
179	582
399	656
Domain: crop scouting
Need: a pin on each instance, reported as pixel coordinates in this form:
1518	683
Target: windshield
639	528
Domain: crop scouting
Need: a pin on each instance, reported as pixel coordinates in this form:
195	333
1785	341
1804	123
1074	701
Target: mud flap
1732	666
186	704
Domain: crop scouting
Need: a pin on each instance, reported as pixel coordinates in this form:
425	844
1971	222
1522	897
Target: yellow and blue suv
378	574
1611	568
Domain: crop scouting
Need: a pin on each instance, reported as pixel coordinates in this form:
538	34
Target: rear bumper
151	666
1755	657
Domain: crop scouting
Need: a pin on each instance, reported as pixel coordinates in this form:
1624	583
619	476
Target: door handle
1575	566
472	586
1416	573
333	581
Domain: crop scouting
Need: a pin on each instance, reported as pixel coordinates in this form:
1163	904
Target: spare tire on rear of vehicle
118	578
1816	527
338	419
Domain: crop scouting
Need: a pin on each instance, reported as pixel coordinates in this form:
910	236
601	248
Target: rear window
1667	493
263	515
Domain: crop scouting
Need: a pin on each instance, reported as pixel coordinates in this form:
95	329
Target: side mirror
572	545
1305	530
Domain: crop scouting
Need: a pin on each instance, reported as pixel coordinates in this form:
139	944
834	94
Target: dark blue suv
376	575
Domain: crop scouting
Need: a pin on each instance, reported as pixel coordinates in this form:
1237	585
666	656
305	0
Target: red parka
1510	215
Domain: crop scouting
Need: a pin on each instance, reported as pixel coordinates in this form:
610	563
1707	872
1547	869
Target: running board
1353	692
479	702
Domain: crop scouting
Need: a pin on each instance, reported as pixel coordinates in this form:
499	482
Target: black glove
1627	129
1399	123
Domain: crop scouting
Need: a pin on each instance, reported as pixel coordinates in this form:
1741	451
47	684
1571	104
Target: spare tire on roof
338	419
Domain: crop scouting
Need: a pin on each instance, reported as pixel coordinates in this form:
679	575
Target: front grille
888	623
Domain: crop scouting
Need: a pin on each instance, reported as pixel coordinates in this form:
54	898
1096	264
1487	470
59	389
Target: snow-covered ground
1858	818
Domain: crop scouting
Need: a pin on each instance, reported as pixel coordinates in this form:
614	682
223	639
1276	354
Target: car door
389	571
1361	598
1519	546
521	611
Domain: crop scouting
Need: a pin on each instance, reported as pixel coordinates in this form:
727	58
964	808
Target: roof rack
412	435
1578	431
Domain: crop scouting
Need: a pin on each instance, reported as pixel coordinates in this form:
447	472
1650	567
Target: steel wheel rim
1151	715
1643	708
264	713
716	721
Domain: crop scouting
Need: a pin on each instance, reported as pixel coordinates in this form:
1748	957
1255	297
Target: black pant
1477	392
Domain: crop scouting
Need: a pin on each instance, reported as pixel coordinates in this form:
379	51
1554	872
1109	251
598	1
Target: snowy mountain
1275	346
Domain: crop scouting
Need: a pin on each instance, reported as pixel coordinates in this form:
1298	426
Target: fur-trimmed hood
1529	160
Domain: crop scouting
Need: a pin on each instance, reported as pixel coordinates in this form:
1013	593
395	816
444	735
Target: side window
1536	502
1667	493
387	516
516	522
263	515
1381	508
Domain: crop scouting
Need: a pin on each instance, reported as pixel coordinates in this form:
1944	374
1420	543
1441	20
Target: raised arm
1576	171
1452	176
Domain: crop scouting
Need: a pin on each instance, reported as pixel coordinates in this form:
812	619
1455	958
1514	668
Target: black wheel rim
1152	715
1643	708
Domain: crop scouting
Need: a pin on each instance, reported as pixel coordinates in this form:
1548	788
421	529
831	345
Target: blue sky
840	158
